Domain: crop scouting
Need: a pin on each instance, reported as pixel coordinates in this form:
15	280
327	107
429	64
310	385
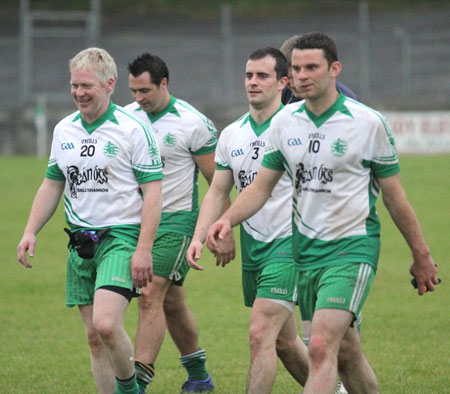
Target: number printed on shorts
87	150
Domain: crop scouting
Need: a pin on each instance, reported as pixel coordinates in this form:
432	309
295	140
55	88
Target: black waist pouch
84	241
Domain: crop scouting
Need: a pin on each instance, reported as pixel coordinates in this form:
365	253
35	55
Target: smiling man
268	272
339	154
107	164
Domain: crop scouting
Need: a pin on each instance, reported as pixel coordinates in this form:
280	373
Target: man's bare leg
101	367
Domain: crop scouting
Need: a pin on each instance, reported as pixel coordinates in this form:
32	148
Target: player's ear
335	69
111	84
283	82
163	83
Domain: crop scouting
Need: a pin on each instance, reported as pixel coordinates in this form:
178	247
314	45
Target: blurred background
395	55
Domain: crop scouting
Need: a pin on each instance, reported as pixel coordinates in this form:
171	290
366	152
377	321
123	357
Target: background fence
393	59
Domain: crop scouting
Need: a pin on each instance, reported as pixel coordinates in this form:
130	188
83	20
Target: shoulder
362	112
127	119
188	113
289	111
67	121
235	126
126	115
132	107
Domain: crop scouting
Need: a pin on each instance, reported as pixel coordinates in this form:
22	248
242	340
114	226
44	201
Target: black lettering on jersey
303	175
75	177
87	150
246	179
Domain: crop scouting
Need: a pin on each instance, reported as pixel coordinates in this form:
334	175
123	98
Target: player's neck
91	118
260	115
164	103
320	104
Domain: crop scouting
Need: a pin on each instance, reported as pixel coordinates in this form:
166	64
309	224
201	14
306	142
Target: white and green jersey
181	132
334	161
103	163
266	236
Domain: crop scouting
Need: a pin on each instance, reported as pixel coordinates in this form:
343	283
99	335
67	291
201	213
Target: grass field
43	349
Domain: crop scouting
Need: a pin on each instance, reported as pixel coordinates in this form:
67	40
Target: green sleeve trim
144	177
273	161
53	172
205	150
384	171
221	167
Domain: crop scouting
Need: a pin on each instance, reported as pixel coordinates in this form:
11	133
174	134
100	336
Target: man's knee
94	341
318	349
153	295
104	328
258	334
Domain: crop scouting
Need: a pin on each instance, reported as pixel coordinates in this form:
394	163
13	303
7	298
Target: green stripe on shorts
169	256
109	267
338	286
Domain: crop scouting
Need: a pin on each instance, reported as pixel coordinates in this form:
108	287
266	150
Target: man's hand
141	268
224	249
218	230
424	271
26	244
193	254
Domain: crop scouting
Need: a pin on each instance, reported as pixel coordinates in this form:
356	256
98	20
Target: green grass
43	347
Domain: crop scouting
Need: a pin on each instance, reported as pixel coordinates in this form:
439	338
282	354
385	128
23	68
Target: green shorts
339	286
110	266
169	256
274	281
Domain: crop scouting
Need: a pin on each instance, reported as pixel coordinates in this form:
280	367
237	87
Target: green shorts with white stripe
169	256
110	266
339	286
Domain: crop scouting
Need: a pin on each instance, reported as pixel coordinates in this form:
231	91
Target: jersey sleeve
221	158
204	137
384	160
273	158
146	160
53	171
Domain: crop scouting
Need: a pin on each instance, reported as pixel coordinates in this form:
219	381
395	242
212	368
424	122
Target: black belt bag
84	241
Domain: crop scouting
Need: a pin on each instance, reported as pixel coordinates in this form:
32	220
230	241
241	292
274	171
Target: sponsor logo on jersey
339	147
88	141
75	178
294	142
237	152
317	173
110	150
246	178
316	136
67	145
259	143
169	140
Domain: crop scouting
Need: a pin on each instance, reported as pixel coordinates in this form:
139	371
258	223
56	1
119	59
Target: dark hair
281	66
151	63
318	41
